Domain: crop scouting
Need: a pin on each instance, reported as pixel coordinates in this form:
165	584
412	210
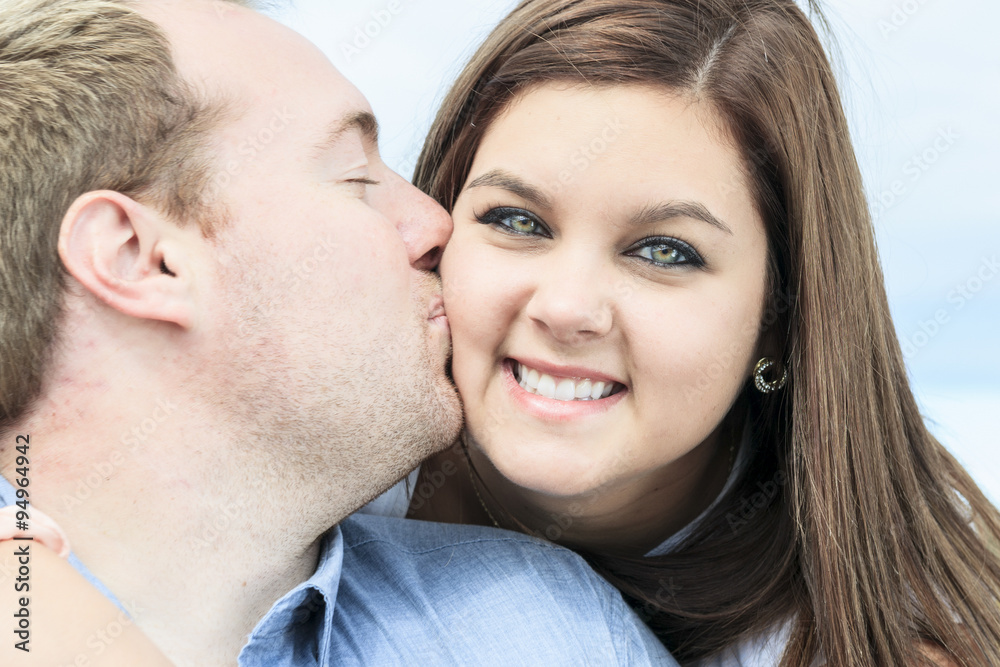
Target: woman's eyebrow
498	178
679	209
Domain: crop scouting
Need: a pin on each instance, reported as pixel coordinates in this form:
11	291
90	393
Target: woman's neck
630	517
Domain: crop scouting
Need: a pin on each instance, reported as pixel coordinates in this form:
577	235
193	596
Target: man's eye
668	252
514	221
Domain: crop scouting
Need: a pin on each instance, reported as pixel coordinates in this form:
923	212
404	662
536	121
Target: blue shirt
391	591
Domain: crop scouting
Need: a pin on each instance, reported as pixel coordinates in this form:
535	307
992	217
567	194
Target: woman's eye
514	220
663	254
672	252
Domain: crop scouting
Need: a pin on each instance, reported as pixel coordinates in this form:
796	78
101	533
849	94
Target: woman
673	344
845	531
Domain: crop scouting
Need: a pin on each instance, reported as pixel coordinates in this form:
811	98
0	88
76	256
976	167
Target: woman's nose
571	302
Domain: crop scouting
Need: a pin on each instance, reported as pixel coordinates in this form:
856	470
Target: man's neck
196	549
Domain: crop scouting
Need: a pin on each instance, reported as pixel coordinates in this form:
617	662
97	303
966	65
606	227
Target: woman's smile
564	384
559	394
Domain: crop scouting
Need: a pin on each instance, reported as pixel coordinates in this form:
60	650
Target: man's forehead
240	55
218	44
181	18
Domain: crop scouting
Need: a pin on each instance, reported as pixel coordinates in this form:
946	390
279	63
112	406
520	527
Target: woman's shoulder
762	649
765	649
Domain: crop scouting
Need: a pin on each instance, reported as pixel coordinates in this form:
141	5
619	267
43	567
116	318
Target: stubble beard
334	436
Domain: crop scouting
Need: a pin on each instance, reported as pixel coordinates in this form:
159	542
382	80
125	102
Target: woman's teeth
562	389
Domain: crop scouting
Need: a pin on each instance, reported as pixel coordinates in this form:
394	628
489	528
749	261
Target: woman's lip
565	371
549	409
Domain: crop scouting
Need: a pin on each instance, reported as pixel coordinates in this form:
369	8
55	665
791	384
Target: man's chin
450	417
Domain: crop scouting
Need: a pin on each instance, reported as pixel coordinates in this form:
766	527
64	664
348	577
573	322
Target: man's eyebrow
362	121
498	178
679	209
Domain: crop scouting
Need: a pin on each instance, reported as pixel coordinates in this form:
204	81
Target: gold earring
764	386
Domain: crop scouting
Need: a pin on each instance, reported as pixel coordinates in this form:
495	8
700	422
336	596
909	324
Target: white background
910	71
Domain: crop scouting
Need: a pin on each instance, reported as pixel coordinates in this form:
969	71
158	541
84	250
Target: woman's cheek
470	285
695	357
475	296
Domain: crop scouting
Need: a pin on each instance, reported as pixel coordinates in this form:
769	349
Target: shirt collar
296	630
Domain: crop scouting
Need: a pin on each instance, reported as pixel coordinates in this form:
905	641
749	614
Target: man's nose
423	224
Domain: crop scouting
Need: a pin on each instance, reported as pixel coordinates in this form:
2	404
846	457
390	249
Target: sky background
921	85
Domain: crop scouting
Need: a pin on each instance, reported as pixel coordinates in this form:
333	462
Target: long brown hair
850	518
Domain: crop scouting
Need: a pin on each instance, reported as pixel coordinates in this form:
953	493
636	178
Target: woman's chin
556	480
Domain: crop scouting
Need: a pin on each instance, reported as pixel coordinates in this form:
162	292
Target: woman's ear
772	339
130	256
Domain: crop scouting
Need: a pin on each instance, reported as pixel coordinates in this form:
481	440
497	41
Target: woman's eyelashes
514	221
667	251
660	251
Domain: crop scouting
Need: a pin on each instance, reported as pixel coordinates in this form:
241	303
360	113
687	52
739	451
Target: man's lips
436	308
438	318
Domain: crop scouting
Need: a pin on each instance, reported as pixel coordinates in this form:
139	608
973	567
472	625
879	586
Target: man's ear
130	256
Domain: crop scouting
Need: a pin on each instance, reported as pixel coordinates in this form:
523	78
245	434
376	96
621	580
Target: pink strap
40	526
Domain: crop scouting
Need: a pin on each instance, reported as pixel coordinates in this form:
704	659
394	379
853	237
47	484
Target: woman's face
604	286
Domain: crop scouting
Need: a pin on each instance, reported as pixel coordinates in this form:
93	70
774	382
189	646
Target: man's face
325	336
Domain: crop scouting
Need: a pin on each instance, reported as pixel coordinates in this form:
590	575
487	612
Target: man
221	337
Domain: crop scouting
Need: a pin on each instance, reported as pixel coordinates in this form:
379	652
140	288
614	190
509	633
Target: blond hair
91	101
